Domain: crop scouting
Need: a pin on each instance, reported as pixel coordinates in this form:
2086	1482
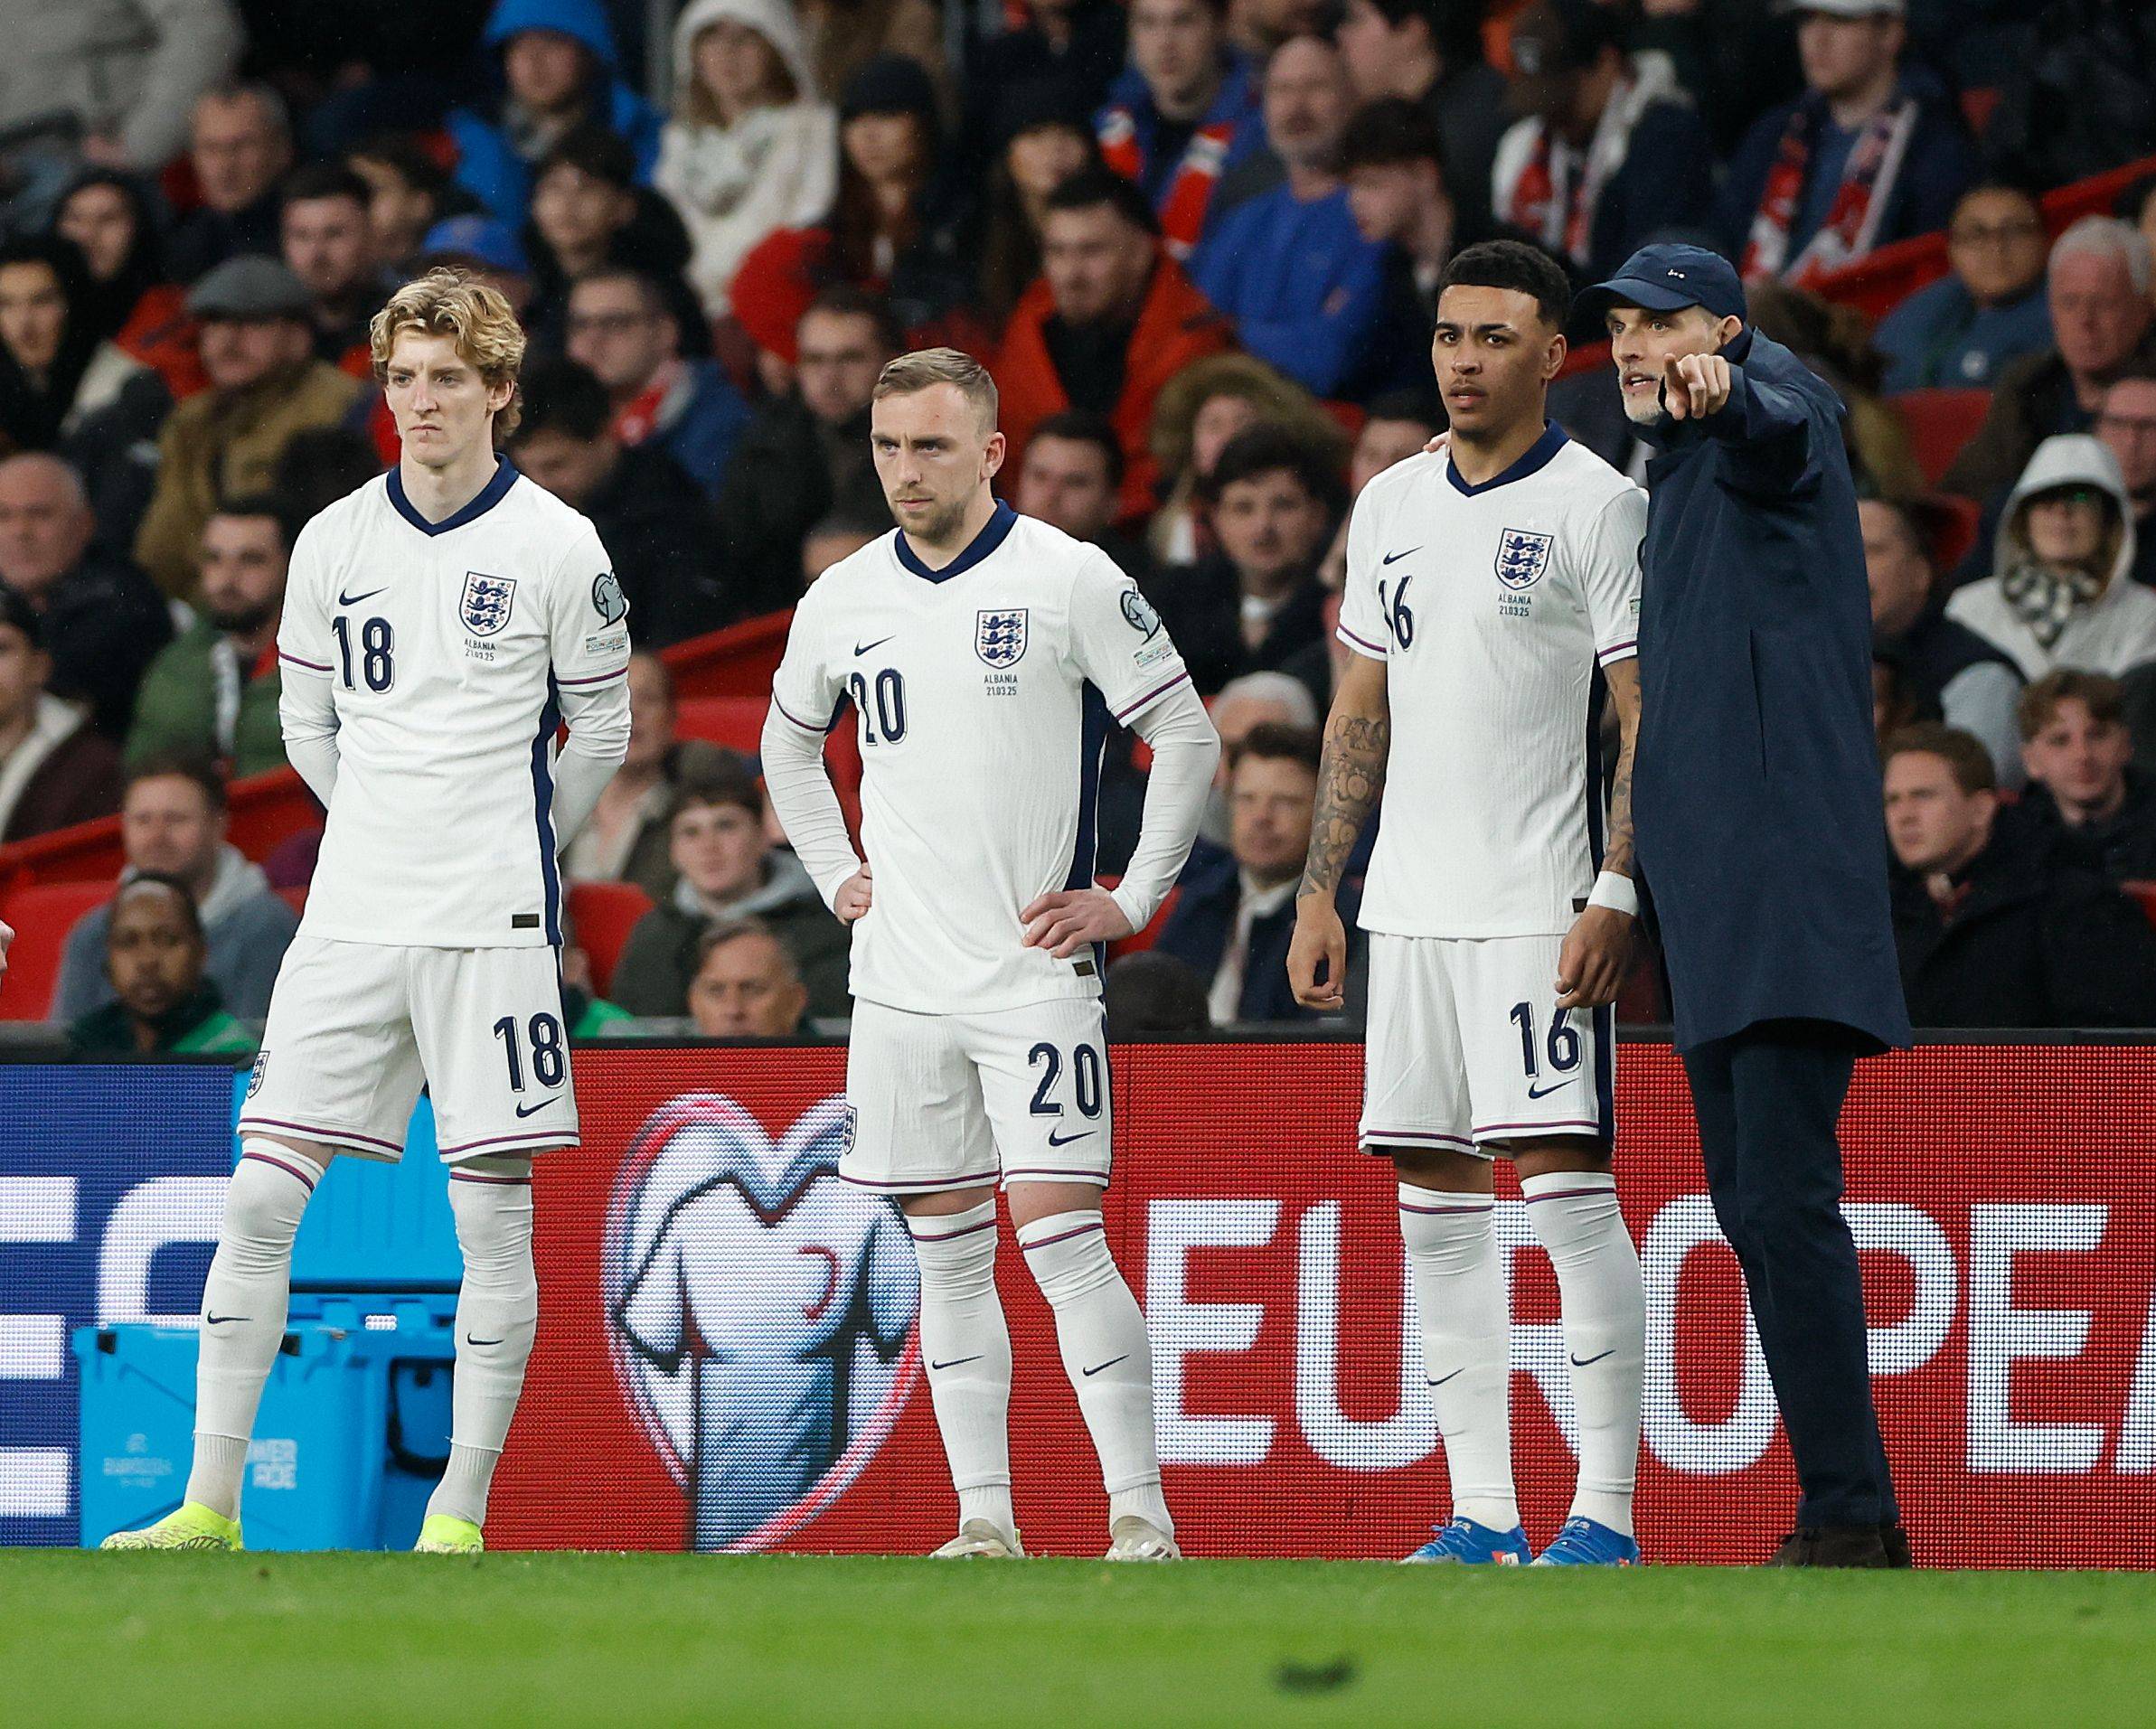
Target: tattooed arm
1351	776
1598	947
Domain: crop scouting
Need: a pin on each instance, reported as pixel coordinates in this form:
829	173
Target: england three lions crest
484	607
1000	638
1521	557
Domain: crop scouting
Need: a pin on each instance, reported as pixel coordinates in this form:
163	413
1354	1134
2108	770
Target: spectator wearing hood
1609	150
716	837
559	70
1288	266
265	385
2101	314
1183	114
127	297
239	145
1111	322
1870	153
173	824
750	148
2059	593
899	227
1961	332
54	771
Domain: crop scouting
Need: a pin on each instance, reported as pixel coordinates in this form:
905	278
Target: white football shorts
355	1028
1466	1047
956	1101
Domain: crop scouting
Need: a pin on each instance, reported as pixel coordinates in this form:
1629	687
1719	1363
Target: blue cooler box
353	1434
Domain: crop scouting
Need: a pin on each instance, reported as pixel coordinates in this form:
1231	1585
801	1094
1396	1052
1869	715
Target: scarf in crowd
1182	211
1852	224
1552	189
645	413
2046	599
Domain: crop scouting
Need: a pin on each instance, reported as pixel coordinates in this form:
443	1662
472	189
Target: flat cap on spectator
249	287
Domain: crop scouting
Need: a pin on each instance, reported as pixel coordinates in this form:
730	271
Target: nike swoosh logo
1544	1091
470	1341
1584	1362
1055	1139
955	1361
1391	557
1442	1380
878	643
352	600
1109	1364
219	1321
534	1110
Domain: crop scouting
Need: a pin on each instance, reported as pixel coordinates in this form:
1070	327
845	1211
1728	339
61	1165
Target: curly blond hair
448	302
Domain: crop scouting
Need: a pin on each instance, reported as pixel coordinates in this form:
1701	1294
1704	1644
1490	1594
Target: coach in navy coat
1761	839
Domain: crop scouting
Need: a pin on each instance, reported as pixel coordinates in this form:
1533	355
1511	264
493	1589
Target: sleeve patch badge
607	598
1139	615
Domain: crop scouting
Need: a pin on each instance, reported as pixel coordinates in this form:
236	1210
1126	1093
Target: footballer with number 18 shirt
440	623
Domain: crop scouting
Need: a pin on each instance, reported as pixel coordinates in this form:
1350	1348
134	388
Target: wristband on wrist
1617	892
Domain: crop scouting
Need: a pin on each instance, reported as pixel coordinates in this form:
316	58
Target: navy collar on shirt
992	535
490	496
1537	457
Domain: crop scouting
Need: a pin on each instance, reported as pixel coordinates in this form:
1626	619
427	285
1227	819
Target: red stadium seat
43	915
295	896
1139	941
2145	893
1939	424
604	913
736	722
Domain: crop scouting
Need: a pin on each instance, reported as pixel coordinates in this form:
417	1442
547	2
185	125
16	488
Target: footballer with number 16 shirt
440	625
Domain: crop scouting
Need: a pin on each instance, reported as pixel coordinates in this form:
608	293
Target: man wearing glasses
2126	423
1988	310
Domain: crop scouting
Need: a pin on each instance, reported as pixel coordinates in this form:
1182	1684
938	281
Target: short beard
943	526
1643	410
240	621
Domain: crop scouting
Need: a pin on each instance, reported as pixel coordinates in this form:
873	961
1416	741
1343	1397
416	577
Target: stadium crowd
1196	243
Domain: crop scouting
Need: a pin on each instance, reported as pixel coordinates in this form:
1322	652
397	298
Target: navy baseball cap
1663	278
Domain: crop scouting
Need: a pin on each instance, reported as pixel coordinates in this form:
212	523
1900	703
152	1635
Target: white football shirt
1492	606
982	695
450	651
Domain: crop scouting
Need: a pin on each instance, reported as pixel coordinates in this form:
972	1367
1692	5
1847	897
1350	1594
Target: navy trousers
1767	1101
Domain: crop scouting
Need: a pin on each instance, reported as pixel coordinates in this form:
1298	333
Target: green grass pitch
637	1640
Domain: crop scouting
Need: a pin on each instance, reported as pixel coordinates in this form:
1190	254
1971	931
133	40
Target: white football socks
966	1348
497	1312
1451	1240
1573	1216
1106	1353
244	1304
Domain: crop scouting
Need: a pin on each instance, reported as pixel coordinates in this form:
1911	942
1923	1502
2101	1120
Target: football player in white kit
1491	598
985	653
439	625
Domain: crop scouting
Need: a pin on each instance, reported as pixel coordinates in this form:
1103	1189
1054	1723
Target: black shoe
1833	1546
1895	1540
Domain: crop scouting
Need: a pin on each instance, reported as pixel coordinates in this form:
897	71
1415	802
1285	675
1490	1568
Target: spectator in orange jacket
1110	322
